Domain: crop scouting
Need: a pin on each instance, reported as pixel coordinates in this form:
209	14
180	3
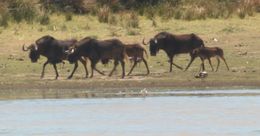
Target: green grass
231	33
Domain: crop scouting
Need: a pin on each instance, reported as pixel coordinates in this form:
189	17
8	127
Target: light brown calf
135	52
207	53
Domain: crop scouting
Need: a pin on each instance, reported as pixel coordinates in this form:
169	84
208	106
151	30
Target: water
151	116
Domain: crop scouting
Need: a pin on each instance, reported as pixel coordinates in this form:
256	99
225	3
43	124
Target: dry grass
239	38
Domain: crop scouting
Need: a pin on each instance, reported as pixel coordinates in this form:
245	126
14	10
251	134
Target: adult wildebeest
207	53
174	44
97	50
136	52
53	50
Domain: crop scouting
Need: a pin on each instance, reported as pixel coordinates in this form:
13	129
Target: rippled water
151	116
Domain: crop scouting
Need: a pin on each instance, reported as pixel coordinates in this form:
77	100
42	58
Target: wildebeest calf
135	52
207	53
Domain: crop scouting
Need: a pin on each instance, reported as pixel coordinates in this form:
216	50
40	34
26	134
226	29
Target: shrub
103	14
4	20
75	6
112	19
241	13
68	16
44	19
132	20
4	16
23	10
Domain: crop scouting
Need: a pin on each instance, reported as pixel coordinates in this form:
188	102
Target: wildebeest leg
171	59
146	65
224	61
135	62
191	60
114	68
202	65
218	64
210	64
123	68
179	67
74	69
56	71
99	71
93	67
43	68
93	64
84	63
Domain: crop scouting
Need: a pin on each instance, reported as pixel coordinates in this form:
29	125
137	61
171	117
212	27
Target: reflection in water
237	115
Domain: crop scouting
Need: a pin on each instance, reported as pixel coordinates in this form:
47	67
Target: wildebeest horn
24	48
35	47
144	42
72	50
155	41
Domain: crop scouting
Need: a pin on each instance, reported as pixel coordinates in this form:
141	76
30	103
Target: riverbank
49	89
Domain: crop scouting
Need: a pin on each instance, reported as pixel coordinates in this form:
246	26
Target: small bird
144	92
202	74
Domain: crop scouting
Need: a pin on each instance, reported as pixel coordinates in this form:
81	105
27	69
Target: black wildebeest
136	52
52	49
174	44
99	50
207	53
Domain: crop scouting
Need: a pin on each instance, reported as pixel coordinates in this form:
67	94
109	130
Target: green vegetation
238	37
39	10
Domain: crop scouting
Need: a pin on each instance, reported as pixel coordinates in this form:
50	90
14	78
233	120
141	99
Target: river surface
150	116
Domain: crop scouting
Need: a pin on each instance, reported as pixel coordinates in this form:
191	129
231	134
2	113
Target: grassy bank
240	40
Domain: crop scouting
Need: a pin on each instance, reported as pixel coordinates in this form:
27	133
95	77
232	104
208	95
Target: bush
112	19
241	13
22	10
68	16
132	20
75	6
44	19
4	16
103	14
4	20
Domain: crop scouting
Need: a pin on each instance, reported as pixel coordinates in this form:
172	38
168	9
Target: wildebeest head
153	46
72	56
34	54
80	48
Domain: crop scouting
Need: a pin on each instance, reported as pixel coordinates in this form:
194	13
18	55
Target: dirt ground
240	39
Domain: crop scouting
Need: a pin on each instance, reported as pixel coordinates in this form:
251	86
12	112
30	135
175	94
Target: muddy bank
112	88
